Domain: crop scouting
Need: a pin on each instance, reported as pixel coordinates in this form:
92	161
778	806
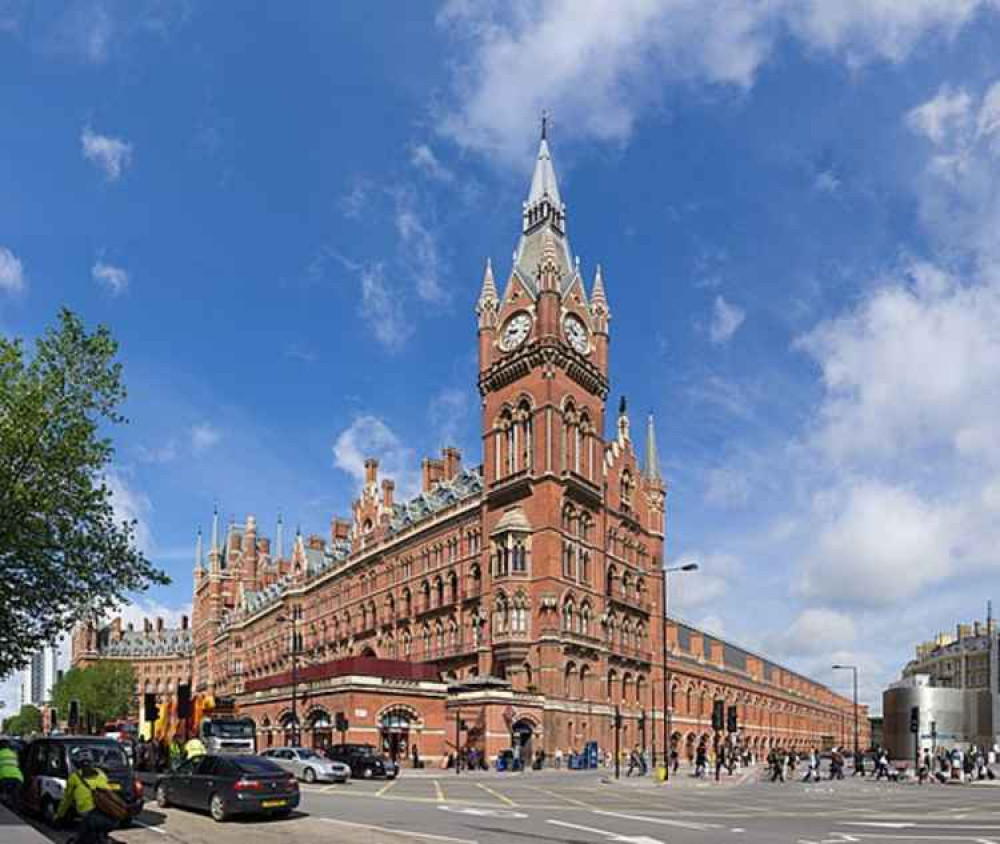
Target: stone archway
398	725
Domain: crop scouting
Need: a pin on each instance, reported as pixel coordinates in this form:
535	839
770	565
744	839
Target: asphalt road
581	808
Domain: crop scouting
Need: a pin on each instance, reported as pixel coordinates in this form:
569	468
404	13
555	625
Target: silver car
307	764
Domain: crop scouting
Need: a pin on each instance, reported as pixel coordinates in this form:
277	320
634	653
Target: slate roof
465	485
137	643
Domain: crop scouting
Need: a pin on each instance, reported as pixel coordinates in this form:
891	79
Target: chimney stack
371	470
388	485
159	624
432	473
340	529
452	459
184	622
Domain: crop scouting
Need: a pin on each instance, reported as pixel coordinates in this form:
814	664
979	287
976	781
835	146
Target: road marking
155	829
663	821
410	833
561	796
912	825
483	812
496	794
386	787
438	791
611	836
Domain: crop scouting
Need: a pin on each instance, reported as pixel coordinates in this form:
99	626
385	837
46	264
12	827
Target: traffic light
718	715
341	723
150	711
183	701
74	715
732	722
914	719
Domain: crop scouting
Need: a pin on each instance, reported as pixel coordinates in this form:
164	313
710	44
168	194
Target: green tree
105	690
64	555
26	722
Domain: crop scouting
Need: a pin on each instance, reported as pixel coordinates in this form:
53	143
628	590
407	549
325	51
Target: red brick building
520	598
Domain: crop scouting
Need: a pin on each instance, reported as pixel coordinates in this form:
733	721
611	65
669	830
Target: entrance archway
321	728
395	726
522	740
290	729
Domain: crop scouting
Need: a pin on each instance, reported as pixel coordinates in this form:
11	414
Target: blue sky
284	214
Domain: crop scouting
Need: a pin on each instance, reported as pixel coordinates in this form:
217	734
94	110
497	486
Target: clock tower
543	380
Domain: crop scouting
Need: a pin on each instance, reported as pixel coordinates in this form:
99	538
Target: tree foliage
27	722
64	555
105	690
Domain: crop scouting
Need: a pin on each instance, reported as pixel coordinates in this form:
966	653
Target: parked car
363	761
307	764
48	762
229	785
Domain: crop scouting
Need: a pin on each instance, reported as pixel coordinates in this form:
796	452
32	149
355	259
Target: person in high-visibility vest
11	778
194	748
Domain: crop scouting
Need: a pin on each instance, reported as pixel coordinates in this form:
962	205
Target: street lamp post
668	726
854	670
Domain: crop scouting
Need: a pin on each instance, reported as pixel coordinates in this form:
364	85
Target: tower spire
199	566
280	537
652	467
215	530
488	294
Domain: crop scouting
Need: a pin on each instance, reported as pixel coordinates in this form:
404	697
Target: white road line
496	794
663	821
611	836
438	792
155	829
387	831
561	796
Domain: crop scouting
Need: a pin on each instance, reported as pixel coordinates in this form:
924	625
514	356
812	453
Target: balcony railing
571	636
629	599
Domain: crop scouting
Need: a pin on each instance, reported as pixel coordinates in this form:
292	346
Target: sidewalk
13	830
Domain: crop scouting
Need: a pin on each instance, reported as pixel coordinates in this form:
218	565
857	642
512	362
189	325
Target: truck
213	720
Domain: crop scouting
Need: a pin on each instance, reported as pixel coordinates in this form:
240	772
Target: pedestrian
11	778
675	759
720	760
558	758
925	767
812	767
859	764
175	754
633	761
701	761
193	748
78	796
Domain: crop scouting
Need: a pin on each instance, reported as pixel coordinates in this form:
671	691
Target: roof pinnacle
488	293
652	468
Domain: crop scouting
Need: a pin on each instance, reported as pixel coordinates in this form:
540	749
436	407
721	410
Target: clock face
576	333
515	331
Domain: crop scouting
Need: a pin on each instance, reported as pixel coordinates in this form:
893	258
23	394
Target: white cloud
11	271
449	414
426	161
203	437
369	436
599	63
301	352
949	111
158	454
726	321
382	307
716	577
111	155
916	365
826	181
880	544
131	504
142	608
727	487
115	279
419	247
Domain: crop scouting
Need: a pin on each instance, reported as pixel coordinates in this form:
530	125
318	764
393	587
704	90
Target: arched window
568	679
426	634
439	636
438	591
568	613
584	681
611	578
585	618
510	442
519	614
407	602
500	614
612	690
525	437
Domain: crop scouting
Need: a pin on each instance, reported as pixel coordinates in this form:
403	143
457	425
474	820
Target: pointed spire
215	530
652	467
199	557
623	420
280	538
488	295
543	180
599	296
